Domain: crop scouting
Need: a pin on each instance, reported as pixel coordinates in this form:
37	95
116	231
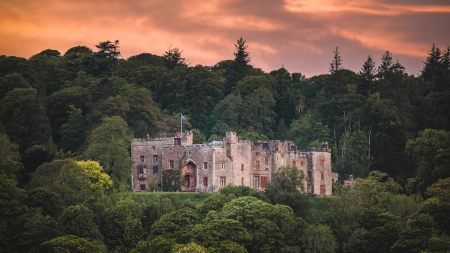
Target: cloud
298	34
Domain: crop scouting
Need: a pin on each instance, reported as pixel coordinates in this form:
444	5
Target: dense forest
66	123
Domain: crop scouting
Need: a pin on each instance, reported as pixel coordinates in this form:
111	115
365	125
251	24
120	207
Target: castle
208	167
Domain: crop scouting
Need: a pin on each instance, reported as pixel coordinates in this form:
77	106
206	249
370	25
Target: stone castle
208	167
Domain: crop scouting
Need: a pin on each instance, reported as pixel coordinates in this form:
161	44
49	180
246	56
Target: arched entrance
189	176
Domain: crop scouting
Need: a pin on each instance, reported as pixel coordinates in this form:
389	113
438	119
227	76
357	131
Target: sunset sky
297	34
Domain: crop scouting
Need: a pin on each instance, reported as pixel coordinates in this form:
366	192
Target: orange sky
297	34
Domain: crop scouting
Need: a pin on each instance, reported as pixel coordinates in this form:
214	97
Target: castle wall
208	167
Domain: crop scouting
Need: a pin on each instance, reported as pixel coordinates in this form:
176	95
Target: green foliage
74	130
319	238
64	178
122	228
431	152
440	190
286	188
109	144
68	243
23	117
177	225
308	133
79	220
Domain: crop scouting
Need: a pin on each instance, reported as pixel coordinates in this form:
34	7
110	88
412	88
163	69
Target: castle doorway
189	175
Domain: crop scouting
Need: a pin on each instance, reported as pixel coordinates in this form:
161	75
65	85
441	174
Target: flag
183	117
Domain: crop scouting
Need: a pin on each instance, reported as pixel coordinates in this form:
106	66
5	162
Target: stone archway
189	177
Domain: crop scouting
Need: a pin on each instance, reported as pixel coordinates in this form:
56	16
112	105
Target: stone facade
208	167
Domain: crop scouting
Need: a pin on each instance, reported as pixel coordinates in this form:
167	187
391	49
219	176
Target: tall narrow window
322	175
242	181
142	158
223	165
257	165
322	163
323	189
256	181
205	182
205	165
171	164
266	161
155	158
302	163
142	187
153	148
155	169
293	163
223	181
140	170
263	181
242	167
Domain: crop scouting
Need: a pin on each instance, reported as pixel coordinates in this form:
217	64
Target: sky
299	35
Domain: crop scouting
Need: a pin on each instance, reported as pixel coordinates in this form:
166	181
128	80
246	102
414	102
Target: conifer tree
367	76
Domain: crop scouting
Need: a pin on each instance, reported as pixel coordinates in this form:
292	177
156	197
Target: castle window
242	181
256	181
263	181
266	161
293	163
223	165
155	158
257	165
322	163
142	158
155	169
153	147
205	182
205	165
171	164
322	175
223	181
242	167
142	187
322	189
302	163
140	170
189	152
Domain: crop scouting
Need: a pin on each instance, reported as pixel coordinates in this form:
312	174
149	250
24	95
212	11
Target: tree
177	225
215	233
109	144
96	179
79	220
239	67
269	225
23	117
308	133
64	178
69	243
367	76
376	228
172	58
386	65
286	188
319	238
335	65
73	131
241	56
188	248
430	150
122	227
108	49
